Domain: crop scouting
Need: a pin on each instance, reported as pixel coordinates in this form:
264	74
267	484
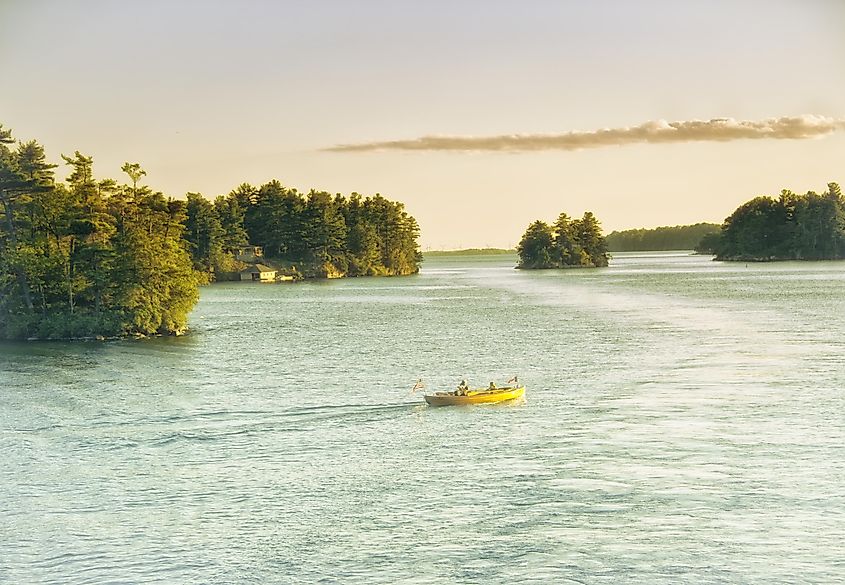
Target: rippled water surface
684	423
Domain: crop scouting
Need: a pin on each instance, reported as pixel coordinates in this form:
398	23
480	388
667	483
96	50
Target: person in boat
492	387
462	388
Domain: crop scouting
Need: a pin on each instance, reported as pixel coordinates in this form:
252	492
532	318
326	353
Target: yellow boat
480	396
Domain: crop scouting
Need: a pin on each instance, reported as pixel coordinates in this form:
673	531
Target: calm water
684	423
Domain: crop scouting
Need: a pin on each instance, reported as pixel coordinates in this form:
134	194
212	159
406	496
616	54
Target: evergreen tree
567	249
23	174
157	285
362	239
536	248
324	231
204	233
230	214
589	238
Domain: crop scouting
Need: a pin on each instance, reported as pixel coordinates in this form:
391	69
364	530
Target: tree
203	233
23	173
135	173
589	237
536	248
230	214
324	230
157	285
567	251
274	221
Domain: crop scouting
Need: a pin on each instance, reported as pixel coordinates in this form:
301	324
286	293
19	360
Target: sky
480	116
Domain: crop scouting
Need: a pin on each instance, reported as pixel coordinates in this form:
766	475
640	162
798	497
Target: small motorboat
479	396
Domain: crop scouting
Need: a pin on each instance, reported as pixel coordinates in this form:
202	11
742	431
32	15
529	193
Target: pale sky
207	95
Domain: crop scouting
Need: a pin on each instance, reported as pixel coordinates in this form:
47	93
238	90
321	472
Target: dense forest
566	243
95	257
790	227
679	237
318	234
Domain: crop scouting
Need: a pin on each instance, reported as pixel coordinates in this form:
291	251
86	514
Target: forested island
99	258
567	243
789	227
315	235
679	237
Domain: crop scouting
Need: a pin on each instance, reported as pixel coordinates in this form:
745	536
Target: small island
567	243
97	258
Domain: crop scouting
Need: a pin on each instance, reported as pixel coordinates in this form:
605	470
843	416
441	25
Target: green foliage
791	227
537	246
679	237
230	214
567	243
332	235
708	244
204	233
134	171
88	258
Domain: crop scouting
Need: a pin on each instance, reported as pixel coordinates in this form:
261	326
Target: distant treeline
679	237
566	243
790	227
91	257
470	252
324	235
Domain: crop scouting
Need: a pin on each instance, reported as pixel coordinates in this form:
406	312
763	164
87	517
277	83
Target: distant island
91	258
469	252
567	243
789	227
679	237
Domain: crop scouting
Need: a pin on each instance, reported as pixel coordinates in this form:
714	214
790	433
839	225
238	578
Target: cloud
654	132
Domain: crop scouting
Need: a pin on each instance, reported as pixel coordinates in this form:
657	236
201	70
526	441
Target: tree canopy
569	242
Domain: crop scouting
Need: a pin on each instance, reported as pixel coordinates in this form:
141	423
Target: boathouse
259	273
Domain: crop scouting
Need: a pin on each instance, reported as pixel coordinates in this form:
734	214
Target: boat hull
474	397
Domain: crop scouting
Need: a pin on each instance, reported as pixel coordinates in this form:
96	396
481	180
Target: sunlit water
684	423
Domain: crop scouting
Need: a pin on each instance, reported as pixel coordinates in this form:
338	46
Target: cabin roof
257	268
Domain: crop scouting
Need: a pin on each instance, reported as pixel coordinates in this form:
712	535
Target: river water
684	423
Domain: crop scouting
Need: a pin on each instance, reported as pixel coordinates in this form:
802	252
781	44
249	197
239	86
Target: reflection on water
683	424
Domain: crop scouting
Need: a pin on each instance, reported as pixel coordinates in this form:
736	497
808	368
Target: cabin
247	253
258	273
